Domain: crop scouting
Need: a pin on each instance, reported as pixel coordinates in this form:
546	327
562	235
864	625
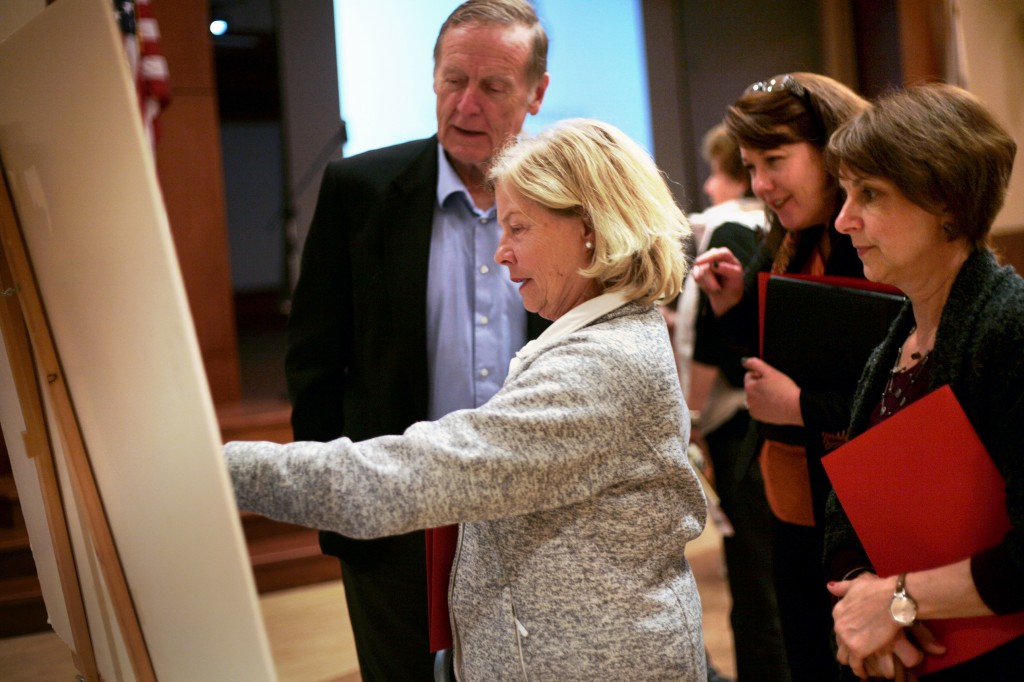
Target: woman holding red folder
926	171
782	126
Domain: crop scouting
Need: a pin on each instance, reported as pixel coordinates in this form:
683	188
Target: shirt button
484	372
483	221
484	269
484	319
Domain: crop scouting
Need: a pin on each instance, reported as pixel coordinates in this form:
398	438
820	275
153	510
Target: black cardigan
978	353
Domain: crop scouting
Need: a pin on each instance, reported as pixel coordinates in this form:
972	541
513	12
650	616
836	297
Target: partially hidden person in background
571	485
735	220
400	315
782	126
926	171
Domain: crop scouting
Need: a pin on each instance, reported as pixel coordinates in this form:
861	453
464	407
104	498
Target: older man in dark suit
400	314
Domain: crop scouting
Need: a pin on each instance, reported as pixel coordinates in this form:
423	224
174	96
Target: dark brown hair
942	149
798	107
502	13
808	112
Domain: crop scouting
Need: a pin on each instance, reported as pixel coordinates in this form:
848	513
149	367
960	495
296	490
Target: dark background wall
277	85
702	55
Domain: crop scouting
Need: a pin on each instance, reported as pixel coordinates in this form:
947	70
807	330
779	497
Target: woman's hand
772	397
868	639
719	274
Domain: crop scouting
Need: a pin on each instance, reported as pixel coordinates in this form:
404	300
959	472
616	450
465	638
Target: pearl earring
589	245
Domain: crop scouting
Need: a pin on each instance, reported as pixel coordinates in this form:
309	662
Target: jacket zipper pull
522	629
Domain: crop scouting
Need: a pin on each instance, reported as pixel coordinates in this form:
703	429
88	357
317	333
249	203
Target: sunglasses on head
786	83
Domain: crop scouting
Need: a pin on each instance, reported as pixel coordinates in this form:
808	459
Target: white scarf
578	317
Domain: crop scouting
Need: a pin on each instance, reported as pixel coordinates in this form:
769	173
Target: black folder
821	331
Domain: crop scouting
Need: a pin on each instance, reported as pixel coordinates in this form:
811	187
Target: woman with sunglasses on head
782	126
926	171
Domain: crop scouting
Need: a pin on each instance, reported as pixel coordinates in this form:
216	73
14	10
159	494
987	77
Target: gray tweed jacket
575	498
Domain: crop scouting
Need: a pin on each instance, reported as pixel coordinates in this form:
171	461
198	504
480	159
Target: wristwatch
903	608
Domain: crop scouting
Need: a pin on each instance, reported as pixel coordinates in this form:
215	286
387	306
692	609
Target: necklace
895	397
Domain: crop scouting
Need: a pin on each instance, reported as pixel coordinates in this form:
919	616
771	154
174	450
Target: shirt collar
449	183
747	212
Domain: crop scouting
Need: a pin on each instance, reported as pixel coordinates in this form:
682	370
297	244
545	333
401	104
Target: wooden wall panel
922	32
185	42
1010	247
191	176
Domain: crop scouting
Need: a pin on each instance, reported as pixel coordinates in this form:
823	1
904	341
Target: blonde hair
593	170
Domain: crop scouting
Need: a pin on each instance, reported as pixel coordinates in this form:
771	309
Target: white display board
84	186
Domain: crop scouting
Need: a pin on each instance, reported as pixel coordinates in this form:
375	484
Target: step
268	420
15	555
15	548
290	560
22	610
256	527
10	510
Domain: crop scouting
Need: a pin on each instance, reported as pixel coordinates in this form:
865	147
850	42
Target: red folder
441	544
921	491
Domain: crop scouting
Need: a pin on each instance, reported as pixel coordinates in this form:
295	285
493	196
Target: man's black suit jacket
357	346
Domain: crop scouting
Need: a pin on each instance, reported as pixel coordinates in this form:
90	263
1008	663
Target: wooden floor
311	640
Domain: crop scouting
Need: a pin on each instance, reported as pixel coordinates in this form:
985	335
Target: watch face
903	610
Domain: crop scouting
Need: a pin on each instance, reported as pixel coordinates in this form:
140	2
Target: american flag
147	65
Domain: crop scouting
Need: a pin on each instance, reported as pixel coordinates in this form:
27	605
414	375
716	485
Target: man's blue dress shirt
475	316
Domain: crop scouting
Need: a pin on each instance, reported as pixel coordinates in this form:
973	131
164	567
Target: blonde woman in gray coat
571	485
